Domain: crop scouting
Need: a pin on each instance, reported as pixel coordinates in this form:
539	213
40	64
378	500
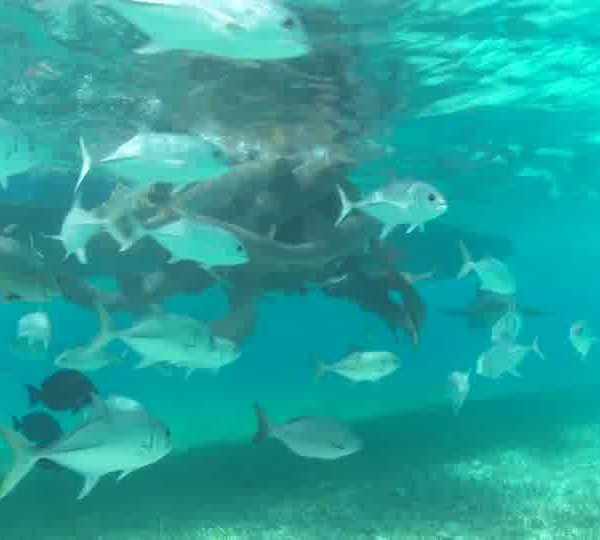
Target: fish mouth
442	206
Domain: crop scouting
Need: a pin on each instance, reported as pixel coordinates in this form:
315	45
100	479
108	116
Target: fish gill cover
321	268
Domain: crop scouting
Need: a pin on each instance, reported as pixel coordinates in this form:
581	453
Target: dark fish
488	307
65	390
40	428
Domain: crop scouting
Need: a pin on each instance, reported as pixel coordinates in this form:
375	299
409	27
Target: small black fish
65	390
42	429
38	427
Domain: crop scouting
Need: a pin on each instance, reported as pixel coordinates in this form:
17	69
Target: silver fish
16	152
23	274
362	366
200	241
119	435
161	338
310	436
411	203
493	274
504	358
582	338
239	29
223	352
77	229
164	157
35	328
85	359
458	389
508	327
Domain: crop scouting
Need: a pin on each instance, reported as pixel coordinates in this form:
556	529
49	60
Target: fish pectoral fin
4	181
124	474
89	482
515	373
80	254
385	232
414	226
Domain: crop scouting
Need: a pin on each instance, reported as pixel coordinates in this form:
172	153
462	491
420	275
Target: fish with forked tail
310	436
119	435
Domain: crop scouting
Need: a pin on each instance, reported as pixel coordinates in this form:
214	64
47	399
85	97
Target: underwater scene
299	269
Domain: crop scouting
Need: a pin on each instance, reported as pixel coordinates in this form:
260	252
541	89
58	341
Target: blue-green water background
554	239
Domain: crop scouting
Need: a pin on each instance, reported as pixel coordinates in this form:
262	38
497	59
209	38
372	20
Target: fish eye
240	248
431	197
218	154
288	23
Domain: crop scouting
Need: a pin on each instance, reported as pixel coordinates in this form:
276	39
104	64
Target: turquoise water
495	103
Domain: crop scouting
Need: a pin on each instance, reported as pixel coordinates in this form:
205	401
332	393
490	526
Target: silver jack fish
310	436
118	436
361	366
493	274
161	157
409	203
239	29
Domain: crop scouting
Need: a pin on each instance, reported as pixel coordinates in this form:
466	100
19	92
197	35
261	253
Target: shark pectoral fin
89	482
124	474
23	461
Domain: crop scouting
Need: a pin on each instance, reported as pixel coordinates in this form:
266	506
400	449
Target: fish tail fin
467	260
318	366
263	430
34	395
347	206
86	163
535	347
24	458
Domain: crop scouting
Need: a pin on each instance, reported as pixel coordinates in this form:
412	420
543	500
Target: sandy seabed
527	467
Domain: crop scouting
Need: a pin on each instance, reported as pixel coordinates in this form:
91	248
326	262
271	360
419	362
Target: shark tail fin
347	206
24	458
86	163
467	260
